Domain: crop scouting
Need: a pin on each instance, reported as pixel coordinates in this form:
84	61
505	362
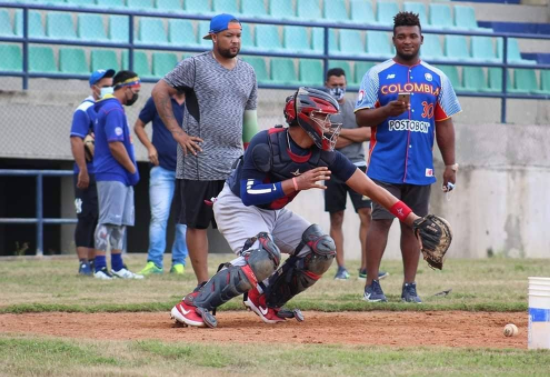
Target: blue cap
220	23
101	74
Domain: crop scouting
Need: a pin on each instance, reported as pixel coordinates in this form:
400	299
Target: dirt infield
453	329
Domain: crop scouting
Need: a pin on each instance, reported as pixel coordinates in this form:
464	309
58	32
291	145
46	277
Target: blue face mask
338	93
104	91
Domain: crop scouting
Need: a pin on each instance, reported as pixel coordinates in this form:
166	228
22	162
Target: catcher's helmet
312	109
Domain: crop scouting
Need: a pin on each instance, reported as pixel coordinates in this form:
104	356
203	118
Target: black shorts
87	212
191	208
336	196
416	197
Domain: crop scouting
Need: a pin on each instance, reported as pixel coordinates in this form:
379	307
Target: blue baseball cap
222	22
101	74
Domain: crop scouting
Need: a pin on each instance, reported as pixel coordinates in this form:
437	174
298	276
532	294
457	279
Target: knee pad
232	281
116	236
101	237
298	274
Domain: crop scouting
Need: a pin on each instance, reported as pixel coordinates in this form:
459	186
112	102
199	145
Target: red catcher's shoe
186	314
256	302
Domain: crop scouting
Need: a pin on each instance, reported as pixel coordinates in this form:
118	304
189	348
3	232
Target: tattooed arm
162	92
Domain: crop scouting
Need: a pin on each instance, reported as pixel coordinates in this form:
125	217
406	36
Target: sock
116	262
99	262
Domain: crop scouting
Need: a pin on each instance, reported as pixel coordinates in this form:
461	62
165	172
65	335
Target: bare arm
139	128
356	135
445	135
161	95
360	183
121	155
77	148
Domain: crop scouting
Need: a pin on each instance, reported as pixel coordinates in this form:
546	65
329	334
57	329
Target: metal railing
326	56
39	220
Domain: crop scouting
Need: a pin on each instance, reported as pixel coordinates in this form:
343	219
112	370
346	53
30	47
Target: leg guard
298	274
232	281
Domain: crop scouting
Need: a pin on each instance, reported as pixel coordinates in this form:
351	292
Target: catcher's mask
312	109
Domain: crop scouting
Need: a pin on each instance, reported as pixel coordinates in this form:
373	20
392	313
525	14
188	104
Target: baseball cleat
187	315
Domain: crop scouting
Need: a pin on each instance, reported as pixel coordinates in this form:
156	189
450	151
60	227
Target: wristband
400	210
295	184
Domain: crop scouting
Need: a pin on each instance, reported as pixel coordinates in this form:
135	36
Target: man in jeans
162	153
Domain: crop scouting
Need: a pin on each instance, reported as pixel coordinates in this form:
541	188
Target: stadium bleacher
375	45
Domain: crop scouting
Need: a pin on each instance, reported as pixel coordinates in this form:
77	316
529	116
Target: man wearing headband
116	174
221	96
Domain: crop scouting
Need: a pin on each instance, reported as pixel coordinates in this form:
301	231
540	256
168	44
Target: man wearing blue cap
84	179
221	99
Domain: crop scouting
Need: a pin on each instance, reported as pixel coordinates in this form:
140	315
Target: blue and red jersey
401	148
111	126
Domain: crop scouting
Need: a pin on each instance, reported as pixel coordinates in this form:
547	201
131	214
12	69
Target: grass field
497	284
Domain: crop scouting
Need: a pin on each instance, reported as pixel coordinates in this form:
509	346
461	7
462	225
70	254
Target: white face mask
104	91
337	93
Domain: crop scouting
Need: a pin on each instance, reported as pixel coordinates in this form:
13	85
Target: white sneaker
124	273
103	274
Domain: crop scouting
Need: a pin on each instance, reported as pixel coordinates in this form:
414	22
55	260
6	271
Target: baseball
510	330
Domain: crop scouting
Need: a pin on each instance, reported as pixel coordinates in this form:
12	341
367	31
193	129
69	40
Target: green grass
153	358
496	284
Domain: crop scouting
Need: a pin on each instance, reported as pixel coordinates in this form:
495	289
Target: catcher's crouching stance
278	164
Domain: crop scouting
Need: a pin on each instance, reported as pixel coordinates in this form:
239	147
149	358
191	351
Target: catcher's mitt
89	147
434	234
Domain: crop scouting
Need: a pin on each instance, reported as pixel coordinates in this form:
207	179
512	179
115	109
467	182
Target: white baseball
510	330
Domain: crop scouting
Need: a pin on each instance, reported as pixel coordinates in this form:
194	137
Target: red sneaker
256	302
186	314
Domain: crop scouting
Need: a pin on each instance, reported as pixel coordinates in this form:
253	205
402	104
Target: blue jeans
162	184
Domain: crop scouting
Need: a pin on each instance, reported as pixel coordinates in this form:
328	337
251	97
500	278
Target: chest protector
278	161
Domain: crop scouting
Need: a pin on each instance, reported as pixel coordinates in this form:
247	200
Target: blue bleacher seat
73	60
483	49
119	28
440	16
140	64
204	28
310	72
168	5
81	3
225	6
465	19
12	58
318	36
296	40
474	79
385	12
91	27
308	10
181	33
267	38
544	83
152	31
197	6
451	72
163	62
418	8
60	26
351	43
283	72
36	29
140	5
341	64
253	8
260	67
110	4
246	37
335	11
494	80
525	81
361	12
41	59
282	9
378	44
6	28
514	54
431	48
456	47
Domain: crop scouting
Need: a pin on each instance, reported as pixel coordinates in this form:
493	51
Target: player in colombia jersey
407	103
251	214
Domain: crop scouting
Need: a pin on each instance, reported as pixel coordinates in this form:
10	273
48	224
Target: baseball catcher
250	213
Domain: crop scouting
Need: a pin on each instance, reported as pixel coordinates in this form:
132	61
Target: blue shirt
83	122
163	141
111	126
401	147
